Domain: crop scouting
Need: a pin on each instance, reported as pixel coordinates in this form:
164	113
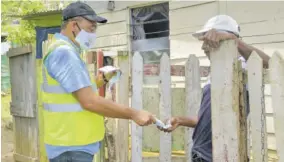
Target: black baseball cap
81	9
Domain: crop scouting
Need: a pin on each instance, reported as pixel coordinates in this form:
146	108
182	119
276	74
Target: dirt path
6	142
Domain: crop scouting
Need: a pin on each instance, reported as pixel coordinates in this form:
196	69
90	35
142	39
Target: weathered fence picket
23	106
122	97
257	108
226	137
193	98
165	107
137	103
276	65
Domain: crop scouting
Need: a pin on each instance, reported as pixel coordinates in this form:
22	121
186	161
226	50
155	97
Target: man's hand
213	37
174	124
100	81
109	75
143	118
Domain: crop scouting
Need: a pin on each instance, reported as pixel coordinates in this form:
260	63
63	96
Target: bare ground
7	141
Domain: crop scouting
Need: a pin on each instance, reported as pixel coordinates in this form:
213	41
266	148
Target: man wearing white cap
218	28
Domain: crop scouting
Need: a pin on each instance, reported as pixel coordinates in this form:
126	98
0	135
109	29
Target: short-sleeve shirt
66	67
202	135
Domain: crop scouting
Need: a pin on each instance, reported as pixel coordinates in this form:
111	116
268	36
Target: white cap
219	22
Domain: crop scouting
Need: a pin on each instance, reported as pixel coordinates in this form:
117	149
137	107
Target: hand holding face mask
112	74
109	75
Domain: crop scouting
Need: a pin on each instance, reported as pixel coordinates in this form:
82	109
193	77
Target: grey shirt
202	140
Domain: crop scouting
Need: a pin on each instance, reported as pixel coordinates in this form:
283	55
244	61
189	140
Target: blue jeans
73	156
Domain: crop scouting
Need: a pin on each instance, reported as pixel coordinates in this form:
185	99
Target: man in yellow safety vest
72	110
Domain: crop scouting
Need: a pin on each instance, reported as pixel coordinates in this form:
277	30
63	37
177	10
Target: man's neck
70	35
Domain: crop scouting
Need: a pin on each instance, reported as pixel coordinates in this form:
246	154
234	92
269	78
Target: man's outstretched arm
245	50
92	102
181	121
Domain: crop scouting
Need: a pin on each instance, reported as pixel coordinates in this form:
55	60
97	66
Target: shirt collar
63	37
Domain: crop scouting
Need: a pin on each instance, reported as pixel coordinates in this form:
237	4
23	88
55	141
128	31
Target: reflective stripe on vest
57	89
63	107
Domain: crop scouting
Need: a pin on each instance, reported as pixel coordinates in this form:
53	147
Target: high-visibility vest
66	123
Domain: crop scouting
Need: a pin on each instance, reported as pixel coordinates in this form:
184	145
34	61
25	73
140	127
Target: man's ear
73	26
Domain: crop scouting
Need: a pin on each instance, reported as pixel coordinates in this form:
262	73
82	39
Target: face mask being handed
85	39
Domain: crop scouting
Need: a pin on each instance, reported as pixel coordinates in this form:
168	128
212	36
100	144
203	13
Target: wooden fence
231	129
23	106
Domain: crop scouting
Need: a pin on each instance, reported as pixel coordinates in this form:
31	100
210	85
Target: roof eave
39	14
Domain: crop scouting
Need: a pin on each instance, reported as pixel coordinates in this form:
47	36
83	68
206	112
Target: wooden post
276	65
257	108
193	97
100	61
100	156
24	104
122	97
137	103
165	107
226	127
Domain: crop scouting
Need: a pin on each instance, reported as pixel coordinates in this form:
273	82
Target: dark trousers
73	156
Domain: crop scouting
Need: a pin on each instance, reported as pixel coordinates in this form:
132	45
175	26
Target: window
150	37
150	22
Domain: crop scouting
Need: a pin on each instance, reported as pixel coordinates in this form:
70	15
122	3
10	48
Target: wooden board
257	109
19	51
245	11
165	108
122	97
193	97
186	17
111	41
270	48
270	124
271	142
137	103
112	29
274	26
174	5
101	8
24	104
276	65
269	38
114	16
225	104
112	48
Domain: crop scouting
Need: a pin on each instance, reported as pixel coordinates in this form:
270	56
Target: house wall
115	34
261	22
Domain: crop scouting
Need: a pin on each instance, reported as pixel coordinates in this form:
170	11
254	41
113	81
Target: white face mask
85	39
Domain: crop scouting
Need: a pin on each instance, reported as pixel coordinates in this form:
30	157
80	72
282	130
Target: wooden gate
23	105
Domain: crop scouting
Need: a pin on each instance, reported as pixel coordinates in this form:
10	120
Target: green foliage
24	32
